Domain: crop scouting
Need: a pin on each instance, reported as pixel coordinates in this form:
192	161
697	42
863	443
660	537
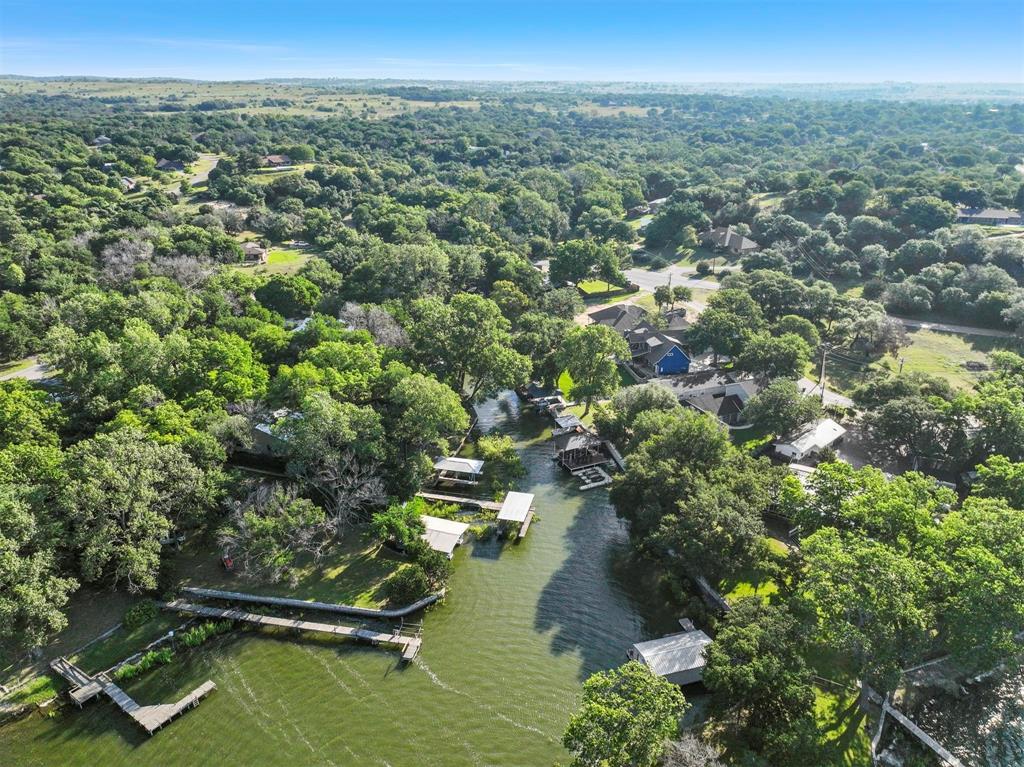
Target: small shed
679	658
458	471
443	534
254	253
811	439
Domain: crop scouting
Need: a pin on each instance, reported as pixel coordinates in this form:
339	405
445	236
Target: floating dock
409	646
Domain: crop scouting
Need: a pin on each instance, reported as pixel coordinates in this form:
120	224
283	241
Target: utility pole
902	360
821	372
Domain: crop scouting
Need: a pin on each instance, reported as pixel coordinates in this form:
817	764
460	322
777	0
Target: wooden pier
150	718
460	501
910	726
409	646
83	687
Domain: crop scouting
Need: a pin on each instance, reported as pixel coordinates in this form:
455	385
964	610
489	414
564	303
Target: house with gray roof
718	393
989	217
622	317
727	238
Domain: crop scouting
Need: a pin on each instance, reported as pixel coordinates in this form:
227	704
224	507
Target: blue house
674	361
656	351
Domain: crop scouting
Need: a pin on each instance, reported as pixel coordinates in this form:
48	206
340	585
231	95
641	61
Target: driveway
809	387
209	162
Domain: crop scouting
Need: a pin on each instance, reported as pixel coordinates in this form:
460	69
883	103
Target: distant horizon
594	81
686	42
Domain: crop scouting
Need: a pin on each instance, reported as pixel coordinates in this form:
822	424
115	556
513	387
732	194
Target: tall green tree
590	354
624	719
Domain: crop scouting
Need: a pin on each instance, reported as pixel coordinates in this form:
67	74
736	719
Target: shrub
658	262
703	268
873	289
196	635
145	663
436	566
139	615
408	584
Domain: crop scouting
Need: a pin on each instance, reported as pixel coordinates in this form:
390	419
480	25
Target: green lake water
500	671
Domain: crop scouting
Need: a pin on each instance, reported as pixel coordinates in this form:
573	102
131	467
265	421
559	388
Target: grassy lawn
267	175
351	573
280	260
595	288
123	643
769	200
943	354
841	723
16	365
755	581
933	352
750	439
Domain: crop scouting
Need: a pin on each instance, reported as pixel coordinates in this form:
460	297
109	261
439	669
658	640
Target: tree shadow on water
590	603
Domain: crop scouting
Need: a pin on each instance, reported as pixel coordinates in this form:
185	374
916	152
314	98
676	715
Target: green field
280	260
305	100
268	175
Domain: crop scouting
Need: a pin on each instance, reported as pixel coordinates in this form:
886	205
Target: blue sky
650	40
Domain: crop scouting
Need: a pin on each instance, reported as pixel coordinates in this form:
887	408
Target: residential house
678	658
277	161
265	441
170	165
989	216
638	210
108	165
622	317
653	206
727	238
656	353
715	392
254	253
101	141
128	184
810	439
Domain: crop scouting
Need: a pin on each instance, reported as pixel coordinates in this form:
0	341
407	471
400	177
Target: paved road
949	328
681	275
37	371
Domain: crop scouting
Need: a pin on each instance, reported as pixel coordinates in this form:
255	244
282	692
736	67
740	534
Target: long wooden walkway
461	501
409	646
921	735
910	726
